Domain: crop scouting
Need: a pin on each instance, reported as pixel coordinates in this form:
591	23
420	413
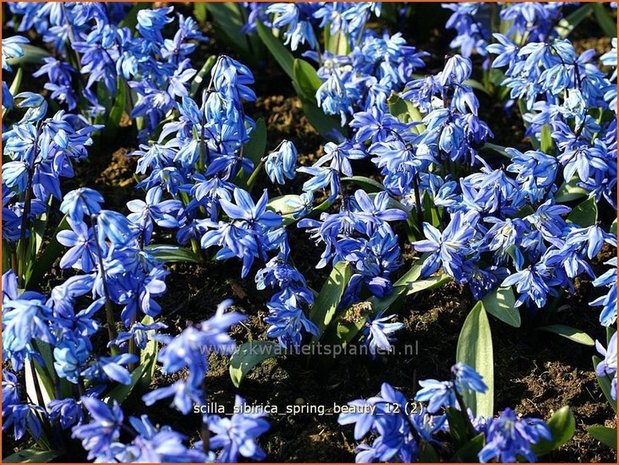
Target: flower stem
254	175
109	308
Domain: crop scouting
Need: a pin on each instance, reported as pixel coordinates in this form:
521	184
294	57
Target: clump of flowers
403	431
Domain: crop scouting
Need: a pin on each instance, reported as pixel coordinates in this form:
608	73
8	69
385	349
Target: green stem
465	414
254	175
418	204
109	308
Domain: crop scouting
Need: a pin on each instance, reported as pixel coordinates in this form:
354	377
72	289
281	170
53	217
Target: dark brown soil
535	372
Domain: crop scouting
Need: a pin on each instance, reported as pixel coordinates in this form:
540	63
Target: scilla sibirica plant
386	182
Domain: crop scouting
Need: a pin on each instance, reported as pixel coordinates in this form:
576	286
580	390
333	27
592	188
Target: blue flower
144	213
11	48
24	318
23	417
281	163
467	379
509	438
10	389
15	175
249	214
395	430
295	18
608	366
533	283
378	333
449	248
114	227
69	358
190	350
288	323
472	24
237	436
151	22
608	302
111	368
102	431
438	394
83	249
68	412
80	202
247	234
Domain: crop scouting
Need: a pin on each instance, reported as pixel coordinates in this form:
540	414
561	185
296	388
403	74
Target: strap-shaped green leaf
248	355
475	349
502	304
570	333
172	253
329	298
281	54
562	425
32	456
607	436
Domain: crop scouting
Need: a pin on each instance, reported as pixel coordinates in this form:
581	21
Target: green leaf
327	126
286	206
326	303
569	23
31	54
45	261
131	18
336	44
253	150
118	109
172	253
16	84
607	436
475	349
459	427
428	453
496	148
562	426
41	383
605	384
368	184
281	54
256	146
405	111
120	392
585	213
606	22
142	374
248	355
522	106
229	20
148	357
570	191
502	304
32	456
546	144
609	333
306	80
199	11
476	85
570	333
408	284
204	71
468	452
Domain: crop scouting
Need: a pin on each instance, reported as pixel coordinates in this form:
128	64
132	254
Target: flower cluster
473	23
401	433
95	49
408	175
